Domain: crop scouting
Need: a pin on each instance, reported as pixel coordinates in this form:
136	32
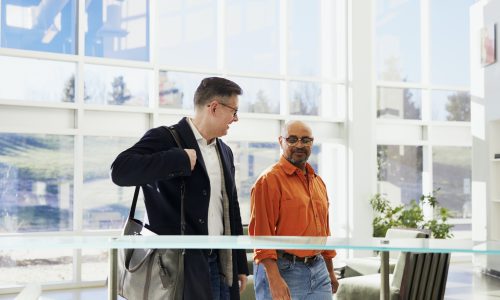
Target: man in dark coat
206	165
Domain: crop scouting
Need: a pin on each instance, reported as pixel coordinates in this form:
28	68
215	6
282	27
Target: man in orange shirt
290	199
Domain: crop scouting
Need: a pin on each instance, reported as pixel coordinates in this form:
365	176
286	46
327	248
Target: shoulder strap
175	135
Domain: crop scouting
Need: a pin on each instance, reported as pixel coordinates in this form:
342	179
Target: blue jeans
220	290
305	281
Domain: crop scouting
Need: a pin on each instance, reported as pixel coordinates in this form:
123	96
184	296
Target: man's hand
335	282
331	273
192	157
277	285
242	279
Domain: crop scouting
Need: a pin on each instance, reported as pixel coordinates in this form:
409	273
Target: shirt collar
197	135
289	168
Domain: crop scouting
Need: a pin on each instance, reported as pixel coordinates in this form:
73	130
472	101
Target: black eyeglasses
294	140
235	114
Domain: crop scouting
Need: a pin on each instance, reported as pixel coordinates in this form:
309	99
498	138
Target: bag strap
177	139
131	213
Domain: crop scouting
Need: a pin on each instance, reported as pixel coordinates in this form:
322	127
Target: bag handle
131	213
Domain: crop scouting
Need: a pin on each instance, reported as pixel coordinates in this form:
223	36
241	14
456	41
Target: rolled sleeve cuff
329	254
261	254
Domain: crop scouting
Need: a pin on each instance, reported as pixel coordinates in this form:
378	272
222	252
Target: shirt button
204	192
201	221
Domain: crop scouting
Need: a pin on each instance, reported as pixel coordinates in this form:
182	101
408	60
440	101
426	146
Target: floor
464	282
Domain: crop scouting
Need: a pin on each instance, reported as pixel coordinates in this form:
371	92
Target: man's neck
200	124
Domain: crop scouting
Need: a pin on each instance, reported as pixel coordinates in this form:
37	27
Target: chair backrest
425	276
402	233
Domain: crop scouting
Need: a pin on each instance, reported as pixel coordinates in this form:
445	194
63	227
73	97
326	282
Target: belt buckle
309	259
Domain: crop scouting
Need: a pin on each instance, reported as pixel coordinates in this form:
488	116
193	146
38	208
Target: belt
294	258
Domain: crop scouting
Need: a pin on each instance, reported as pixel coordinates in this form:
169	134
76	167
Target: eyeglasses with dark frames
235	114
294	140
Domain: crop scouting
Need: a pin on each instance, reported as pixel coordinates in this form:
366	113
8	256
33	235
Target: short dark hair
215	86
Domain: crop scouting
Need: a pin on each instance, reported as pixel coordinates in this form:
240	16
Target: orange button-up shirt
285	202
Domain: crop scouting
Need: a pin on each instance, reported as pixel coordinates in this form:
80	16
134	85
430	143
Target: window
36	176
117	29
47	26
400	172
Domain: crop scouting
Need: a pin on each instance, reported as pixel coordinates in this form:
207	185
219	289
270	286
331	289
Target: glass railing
247	242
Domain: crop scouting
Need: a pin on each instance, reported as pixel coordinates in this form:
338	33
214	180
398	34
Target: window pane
187	35
304	37
252	30
259	95
48	26
105	205
250	160
20	79
117	29
451	170
394	103
450	106
305	98
450	42
116	86
400	172
95	266
20	267
177	89
398	40
36	183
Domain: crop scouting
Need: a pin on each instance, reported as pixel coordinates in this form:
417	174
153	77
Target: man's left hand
242	279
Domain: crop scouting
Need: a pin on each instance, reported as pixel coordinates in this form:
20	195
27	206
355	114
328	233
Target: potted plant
410	216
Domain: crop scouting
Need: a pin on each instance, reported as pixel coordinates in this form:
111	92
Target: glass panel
188	35
450	42
305	98
398	40
400	172
20	79
450	106
20	267
259	95
177	89
395	103
304	38
117	29
117	86
250	160
36	183
105	205
451	171
253	41
48	26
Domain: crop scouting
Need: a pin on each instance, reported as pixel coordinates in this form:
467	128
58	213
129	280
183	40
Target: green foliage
410	216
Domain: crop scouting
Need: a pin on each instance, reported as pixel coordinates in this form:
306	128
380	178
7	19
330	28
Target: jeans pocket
285	264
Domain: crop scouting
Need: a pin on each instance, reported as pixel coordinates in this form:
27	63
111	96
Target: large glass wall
82	80
423	103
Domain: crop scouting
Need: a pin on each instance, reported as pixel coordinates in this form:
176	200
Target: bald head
295	125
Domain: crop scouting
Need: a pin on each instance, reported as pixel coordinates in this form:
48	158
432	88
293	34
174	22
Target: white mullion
283	36
78	142
425	41
154	103
221	36
427	178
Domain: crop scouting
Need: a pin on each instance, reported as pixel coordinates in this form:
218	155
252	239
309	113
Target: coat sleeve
154	157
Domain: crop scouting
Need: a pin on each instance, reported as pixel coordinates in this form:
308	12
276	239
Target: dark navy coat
158	165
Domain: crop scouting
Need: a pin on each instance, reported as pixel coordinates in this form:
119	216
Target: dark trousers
220	290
